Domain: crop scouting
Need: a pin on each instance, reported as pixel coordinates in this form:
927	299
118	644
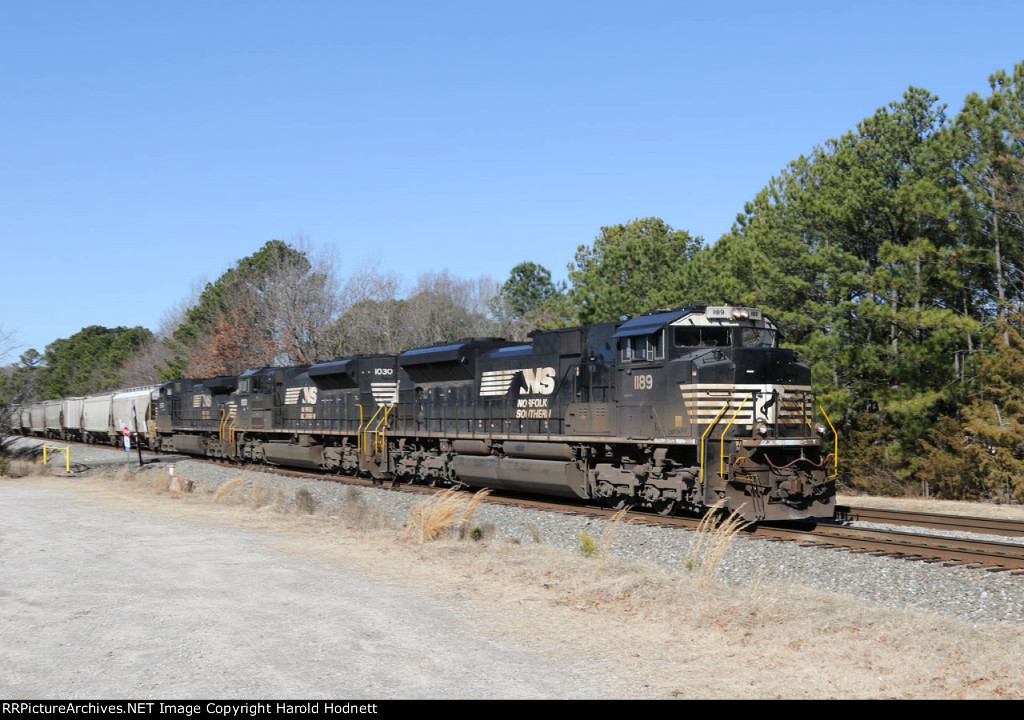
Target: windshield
689	336
757	337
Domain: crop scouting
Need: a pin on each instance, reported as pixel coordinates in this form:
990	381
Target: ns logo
528	381
538	381
303	395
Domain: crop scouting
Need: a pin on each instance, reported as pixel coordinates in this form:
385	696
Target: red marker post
127	440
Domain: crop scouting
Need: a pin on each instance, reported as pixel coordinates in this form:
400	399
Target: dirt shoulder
111	590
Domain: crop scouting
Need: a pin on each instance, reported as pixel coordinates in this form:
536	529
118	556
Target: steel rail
908	545
959	523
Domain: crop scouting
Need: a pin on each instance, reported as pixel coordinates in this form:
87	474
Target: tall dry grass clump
609	536
359	514
261	495
471	507
231	487
19	468
590	547
443	512
711	541
304	502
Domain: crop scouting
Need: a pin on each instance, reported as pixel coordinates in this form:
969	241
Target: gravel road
112	603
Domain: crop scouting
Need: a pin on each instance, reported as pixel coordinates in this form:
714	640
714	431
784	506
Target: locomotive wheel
665	507
618	502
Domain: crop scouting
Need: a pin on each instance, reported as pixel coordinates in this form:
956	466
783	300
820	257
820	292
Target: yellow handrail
835	455
721	467
369	422
378	434
359	432
710	427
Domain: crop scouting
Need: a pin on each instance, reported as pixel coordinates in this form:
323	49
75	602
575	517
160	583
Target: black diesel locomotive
673	409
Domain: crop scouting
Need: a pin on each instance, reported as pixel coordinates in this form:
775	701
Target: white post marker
127	440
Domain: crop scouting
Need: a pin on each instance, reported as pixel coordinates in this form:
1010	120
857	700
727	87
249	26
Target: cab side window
643	348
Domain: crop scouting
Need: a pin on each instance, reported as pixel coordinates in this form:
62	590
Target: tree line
892	258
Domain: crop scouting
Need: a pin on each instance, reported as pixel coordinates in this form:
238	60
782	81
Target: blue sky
144	146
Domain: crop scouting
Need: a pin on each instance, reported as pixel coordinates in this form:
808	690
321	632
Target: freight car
99	418
677	409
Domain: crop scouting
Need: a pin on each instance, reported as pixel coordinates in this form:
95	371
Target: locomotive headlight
819	428
740	313
762	430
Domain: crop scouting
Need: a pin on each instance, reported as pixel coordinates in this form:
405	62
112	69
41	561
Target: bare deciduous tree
442	308
8	403
371	316
301	302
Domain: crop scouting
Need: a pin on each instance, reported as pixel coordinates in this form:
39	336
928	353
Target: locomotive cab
718	400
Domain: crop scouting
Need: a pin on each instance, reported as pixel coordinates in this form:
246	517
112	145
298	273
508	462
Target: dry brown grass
711	540
231	491
445	511
669	634
685	639
304	502
535	534
430	518
20	468
260	495
605	548
357	513
143	479
471	507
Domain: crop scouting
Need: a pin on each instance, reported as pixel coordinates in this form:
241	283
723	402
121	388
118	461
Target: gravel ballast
971	595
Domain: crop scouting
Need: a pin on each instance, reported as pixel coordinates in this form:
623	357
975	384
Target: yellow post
67	456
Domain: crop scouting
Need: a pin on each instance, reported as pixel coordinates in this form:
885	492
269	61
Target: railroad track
990	555
958	523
